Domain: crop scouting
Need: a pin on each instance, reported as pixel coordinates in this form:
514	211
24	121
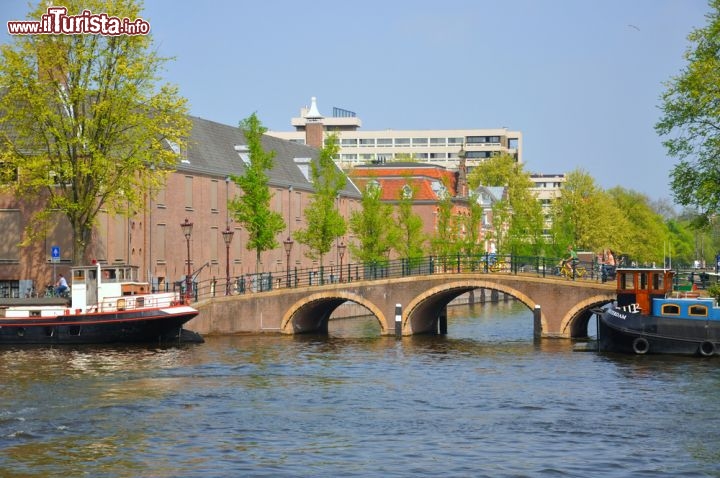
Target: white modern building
439	147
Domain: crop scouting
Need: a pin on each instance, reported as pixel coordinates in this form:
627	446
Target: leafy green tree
585	217
324	222
411	239
373	227
84	122
252	208
472	242
691	119
646	235
444	242
518	218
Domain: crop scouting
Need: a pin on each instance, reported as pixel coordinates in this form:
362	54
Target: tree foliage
518	218
373	227
84	122
411	239
324	222
252	208
691	120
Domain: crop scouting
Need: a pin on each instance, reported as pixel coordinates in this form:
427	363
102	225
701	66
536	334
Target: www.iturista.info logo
57	22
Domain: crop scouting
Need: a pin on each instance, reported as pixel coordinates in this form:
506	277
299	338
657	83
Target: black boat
650	318
107	305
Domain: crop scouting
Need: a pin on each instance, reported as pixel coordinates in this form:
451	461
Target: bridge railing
384	269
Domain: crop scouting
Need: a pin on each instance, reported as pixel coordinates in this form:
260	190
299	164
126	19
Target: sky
580	79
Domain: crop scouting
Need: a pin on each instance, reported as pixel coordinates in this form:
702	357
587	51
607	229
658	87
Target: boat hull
635	333
134	326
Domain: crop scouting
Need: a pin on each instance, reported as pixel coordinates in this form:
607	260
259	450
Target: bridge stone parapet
565	306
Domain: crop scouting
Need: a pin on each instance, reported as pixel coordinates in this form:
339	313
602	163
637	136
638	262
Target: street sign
55	253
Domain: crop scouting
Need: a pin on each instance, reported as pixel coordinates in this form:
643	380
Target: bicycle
499	266
566	271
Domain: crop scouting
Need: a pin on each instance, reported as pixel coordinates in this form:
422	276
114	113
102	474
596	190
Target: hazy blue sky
580	79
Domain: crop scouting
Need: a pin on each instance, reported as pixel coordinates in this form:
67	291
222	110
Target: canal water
484	401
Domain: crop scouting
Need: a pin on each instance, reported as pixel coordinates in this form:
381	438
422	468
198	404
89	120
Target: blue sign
55	253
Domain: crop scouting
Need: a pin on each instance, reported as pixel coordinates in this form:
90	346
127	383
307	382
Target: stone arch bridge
561	307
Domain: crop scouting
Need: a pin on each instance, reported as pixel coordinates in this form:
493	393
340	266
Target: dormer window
303	165
244	152
407	192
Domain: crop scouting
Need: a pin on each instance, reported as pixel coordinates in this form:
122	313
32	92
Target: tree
84	123
372	226
411	239
691	112
445	242
585	217
647	234
518	218
472	245
252	208
324	222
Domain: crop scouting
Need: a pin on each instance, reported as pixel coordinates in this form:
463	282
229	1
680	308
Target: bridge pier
442	321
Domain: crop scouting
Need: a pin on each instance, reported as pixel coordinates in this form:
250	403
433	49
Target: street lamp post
227	237
187	228
288	244
341	251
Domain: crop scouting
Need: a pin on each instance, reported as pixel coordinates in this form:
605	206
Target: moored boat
650	318
107	305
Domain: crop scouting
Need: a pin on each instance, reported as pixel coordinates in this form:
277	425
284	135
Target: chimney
314	128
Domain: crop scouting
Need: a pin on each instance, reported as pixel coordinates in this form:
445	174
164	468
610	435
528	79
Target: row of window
407	142
381	157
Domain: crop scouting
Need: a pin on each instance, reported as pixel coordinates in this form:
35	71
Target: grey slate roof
211	150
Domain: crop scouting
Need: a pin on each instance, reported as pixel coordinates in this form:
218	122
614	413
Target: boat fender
707	349
640	346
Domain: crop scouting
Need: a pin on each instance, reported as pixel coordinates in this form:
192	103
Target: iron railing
386	269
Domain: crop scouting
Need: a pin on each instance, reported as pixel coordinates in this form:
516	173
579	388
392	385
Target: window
476	139
698	311
407	192
658	283
348	142
643	281
214	238
670	309
420	141
456	141
214	196
493	139
402	142
160	198
438	155
477	154
348	157
367	142
10	225
384	141
626	281
438	141
188	192
159	243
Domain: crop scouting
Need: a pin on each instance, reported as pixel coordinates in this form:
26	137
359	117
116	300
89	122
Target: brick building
153	240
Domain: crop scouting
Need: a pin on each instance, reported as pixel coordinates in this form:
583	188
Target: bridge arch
311	313
421	313
575	322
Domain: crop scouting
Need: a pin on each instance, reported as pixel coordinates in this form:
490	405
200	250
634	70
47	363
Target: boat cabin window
670	309
658	283
643	280
626	281
698	310
79	275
